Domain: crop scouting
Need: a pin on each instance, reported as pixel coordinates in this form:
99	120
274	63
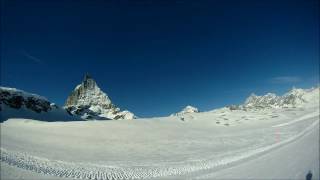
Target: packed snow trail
292	161
305	117
95	171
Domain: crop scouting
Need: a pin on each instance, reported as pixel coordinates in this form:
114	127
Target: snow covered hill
90	102
188	109
159	147
16	103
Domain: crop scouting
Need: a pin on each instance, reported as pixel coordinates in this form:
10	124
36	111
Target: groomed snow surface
222	144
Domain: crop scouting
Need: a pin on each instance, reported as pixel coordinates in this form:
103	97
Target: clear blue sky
154	57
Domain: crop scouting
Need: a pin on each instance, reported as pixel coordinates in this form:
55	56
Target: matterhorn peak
90	102
89	82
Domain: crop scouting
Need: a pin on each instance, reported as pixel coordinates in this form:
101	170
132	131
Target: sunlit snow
268	136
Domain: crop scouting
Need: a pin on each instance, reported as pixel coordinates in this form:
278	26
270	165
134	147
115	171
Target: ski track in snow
305	117
94	171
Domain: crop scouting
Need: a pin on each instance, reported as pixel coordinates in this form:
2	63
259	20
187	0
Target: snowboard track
101	172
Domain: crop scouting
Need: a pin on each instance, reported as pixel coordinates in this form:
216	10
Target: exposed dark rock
37	104
17	99
233	107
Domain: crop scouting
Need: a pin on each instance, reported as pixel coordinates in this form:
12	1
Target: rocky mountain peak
186	110
88	93
89	82
190	109
90	102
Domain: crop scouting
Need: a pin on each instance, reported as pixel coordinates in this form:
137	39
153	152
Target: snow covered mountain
90	102
269	143
293	98
188	109
15	103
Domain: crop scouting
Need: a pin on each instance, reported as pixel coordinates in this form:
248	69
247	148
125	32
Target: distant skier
309	176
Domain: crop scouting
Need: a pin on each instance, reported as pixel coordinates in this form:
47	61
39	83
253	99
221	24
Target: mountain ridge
15	103
294	98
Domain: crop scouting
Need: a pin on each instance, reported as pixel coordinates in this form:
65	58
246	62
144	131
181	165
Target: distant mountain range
87	101
292	99
295	98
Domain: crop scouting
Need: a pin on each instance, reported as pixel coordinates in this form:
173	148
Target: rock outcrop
15	103
17	99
